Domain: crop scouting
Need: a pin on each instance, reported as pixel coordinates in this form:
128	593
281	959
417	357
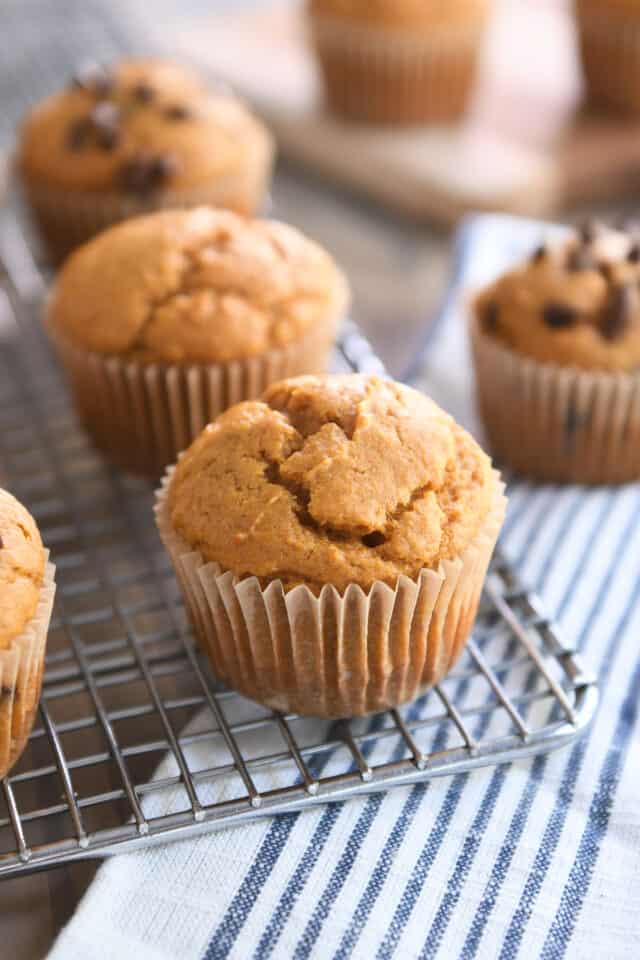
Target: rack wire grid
135	742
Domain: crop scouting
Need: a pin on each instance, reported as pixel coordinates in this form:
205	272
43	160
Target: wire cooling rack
135	743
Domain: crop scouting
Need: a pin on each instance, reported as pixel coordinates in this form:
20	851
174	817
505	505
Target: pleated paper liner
379	75
610	48
557	424
21	667
143	415
332	655
66	218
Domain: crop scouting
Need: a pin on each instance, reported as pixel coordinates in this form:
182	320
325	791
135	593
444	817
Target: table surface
397	271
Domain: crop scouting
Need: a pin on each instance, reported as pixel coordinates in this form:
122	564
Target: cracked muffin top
332	479
22	561
138	127
194	286
401	13
576	304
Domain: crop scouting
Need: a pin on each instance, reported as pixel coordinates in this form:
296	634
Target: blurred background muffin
609	37
138	136
556	345
398	61
164	321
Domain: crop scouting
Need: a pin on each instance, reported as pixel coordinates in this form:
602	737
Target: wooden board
524	147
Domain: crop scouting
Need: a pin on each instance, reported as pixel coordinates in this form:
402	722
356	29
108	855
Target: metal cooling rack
135	743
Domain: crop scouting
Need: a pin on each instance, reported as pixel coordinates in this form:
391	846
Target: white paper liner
385	76
21	666
610	50
557	424
332	655
67	219
143	415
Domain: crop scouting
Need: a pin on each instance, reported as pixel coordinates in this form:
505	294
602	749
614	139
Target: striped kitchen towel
535	859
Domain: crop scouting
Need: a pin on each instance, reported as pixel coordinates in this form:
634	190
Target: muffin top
140	127
400	13
21	568
576	304
198	285
332	479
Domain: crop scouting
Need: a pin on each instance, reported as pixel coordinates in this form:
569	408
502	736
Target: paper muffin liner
388	77
141	416
610	51
66	219
557	424
332	655
21	667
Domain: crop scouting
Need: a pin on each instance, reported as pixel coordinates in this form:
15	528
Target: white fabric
537	859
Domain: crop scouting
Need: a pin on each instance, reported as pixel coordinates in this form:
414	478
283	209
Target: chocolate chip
580	259
559	315
147	172
143	92
1	542
618	313
374	539
539	254
491	316
634	253
5	692
94	78
178	112
79	133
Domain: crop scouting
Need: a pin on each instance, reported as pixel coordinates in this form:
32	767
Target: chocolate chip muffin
557	352
331	540
164	321
398	61
26	599
609	40
139	136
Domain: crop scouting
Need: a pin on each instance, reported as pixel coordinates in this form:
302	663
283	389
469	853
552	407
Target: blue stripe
473	841
579	881
518	823
272	846
556	822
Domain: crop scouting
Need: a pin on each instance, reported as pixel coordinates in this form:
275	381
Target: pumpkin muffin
140	136
331	541
609	40
164	321
557	351
26	599
398	61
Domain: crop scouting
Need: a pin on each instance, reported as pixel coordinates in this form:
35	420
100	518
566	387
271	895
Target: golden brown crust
334	479
91	139
414	14
196	286
575	305
22	561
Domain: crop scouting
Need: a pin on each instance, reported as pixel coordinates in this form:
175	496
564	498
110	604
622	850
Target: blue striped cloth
534	859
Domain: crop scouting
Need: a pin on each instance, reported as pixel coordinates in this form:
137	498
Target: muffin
556	344
331	541
609	40
398	61
142	136
26	600
164	321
